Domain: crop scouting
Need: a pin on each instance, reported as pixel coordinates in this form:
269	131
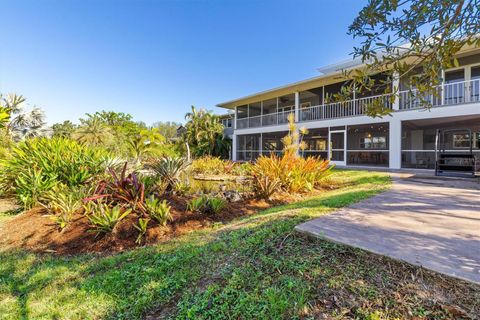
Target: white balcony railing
264	120
445	94
343	109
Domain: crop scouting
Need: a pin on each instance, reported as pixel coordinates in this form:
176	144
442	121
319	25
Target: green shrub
105	217
160	211
242	169
36	165
295	174
206	204
63	202
209	165
168	170
265	186
142	228
31	184
216	205
197	204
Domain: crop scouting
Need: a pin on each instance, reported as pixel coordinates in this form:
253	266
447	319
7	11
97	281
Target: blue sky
154	59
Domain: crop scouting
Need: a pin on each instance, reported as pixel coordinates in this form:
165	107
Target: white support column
297	106
276	113
235	120
234	147
395	143
396	91
261	113
443	88
354	101
468	85
260	147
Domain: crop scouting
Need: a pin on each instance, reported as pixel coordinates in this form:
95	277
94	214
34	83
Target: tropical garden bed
34	230
79	198
253	267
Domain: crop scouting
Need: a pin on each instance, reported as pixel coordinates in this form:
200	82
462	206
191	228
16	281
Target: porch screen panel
316	143
248	147
368	145
418	140
272	143
270	112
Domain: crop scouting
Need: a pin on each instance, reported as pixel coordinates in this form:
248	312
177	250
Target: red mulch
34	230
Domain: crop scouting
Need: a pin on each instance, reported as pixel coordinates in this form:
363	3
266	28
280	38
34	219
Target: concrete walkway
420	222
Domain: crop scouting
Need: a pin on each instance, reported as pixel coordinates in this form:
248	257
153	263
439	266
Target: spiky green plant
158	210
197	204
265	186
63	202
168	169
216	205
142	227
106	217
206	204
31	184
43	162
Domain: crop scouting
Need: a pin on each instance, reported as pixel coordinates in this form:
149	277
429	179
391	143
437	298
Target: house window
461	141
227	123
373	142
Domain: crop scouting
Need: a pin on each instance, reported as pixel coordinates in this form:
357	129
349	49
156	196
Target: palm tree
21	123
204	133
93	131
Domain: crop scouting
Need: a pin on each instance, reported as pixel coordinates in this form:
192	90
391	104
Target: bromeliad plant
63	202
265	186
289	172
197	204
168	169
206	204
35	166
216	205
121	189
106	217
142	227
158	210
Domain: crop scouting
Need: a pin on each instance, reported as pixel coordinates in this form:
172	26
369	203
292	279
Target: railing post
297	106
234	147
442	95
354	101
468	85
396	91
235	121
261	113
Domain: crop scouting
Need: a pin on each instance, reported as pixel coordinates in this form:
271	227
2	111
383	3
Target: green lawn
252	268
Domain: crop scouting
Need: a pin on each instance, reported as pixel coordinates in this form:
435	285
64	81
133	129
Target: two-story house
343	133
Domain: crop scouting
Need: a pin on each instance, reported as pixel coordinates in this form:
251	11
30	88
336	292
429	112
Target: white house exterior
343	133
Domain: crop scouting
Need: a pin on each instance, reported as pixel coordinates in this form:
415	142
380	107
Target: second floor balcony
453	93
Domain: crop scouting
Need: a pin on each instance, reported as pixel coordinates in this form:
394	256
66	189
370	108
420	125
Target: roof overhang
283	90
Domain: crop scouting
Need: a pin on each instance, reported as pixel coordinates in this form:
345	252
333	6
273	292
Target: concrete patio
434	223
